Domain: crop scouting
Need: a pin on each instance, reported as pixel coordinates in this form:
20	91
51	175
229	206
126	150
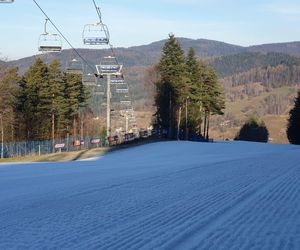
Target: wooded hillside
260	80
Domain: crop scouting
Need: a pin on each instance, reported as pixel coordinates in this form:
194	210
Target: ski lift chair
109	65
99	90
89	79
125	102
74	67
121	91
49	42
6	1
117	81
95	34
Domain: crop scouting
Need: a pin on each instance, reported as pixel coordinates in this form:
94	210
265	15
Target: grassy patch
64	156
241	109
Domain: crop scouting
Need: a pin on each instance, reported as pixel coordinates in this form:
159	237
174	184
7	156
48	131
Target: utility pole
109	68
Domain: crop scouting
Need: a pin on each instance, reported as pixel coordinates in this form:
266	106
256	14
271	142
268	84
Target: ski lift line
62	35
126	102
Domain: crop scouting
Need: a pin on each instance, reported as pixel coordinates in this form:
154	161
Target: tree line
186	91
45	103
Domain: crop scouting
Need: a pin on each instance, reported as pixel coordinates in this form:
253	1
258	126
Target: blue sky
137	22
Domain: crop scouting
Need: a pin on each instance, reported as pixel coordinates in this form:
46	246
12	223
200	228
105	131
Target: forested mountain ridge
145	55
291	48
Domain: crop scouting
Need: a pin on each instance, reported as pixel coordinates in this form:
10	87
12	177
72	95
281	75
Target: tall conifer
173	86
36	106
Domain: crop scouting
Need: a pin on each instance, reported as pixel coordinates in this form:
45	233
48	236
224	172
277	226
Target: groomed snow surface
167	195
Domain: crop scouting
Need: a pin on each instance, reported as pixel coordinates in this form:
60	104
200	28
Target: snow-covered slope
168	195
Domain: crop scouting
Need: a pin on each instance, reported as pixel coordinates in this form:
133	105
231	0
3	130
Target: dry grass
242	109
253	104
58	157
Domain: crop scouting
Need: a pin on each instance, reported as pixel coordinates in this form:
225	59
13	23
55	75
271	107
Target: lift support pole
108	96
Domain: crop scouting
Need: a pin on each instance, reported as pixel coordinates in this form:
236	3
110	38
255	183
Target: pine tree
213	99
58	103
293	127
48	102
196	73
206	96
21	107
76	96
34	102
173	87
185	83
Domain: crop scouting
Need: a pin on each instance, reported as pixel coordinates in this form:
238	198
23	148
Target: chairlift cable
98	11
62	35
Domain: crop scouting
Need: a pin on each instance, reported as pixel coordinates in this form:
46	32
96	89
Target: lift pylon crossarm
109	68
